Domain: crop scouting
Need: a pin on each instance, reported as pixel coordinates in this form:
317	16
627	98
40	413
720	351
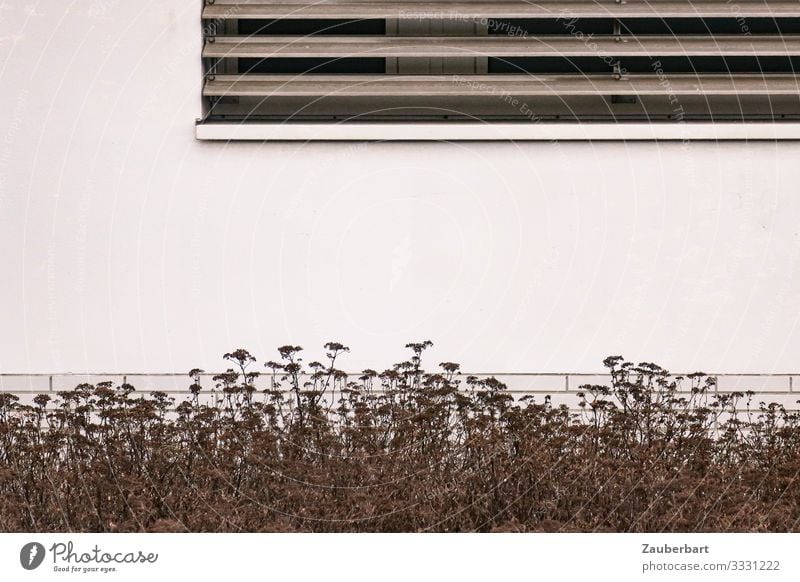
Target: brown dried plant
311	449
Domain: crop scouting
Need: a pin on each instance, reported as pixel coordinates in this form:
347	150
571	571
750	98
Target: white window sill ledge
375	131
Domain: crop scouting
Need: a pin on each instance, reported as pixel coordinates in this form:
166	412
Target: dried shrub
402	450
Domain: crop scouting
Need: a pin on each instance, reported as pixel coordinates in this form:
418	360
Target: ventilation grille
501	61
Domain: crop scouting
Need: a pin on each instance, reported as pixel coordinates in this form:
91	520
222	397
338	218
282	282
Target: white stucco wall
125	244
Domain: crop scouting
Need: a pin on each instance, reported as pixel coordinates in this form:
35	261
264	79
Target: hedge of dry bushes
403	450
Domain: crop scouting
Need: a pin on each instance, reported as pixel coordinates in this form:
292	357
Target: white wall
127	245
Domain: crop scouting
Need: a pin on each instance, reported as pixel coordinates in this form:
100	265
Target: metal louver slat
229	9
499	46
480	85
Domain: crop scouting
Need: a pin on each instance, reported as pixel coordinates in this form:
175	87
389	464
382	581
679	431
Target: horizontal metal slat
494	85
500	46
258	9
